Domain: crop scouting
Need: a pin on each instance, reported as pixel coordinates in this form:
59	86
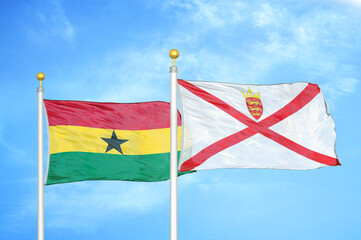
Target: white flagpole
40	76
173	148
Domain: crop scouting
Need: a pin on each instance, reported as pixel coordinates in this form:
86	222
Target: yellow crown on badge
251	94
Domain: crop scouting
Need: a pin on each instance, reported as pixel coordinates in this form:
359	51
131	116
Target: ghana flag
108	141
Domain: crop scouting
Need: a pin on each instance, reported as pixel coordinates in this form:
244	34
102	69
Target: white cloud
313	44
302	40
13	151
85	205
356	3
267	16
124	75
210	13
135	75
53	22
338	87
348	85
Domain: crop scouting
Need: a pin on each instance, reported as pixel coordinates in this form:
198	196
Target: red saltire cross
262	127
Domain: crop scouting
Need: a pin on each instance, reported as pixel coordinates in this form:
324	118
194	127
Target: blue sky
118	51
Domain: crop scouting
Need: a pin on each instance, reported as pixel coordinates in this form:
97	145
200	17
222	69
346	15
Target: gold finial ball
40	76
173	53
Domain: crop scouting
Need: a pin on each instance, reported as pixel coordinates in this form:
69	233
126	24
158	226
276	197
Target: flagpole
173	148
40	76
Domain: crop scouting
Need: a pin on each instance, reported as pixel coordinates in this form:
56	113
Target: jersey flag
283	126
108	141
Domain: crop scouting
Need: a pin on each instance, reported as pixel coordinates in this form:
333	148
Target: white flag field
282	126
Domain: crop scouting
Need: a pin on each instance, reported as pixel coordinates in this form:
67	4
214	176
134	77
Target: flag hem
48	161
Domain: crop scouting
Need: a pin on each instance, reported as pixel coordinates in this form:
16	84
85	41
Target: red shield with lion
254	103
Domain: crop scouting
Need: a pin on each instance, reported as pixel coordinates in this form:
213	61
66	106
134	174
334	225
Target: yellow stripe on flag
85	139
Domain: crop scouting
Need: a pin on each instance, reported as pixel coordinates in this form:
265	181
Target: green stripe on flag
81	166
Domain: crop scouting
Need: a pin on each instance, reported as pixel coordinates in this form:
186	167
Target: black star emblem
114	142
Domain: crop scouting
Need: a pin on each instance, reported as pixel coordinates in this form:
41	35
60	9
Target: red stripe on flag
121	116
295	105
287	143
217	102
215	148
301	100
